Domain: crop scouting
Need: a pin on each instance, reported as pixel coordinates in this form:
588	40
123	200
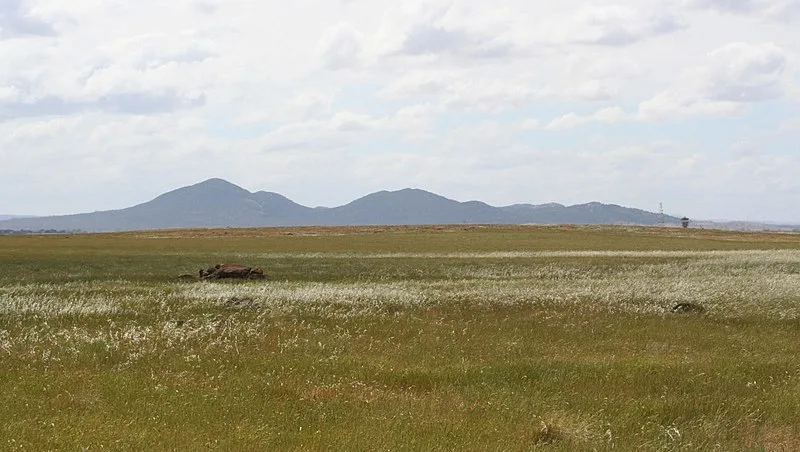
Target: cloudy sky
692	103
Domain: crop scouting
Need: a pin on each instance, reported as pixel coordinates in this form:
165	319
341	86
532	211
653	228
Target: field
402	338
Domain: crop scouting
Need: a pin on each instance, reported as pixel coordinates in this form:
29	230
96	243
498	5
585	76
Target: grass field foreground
386	338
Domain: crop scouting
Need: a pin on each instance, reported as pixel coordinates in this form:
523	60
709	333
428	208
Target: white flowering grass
77	298
727	283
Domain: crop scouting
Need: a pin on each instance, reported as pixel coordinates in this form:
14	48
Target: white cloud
476	92
348	128
348	121
607	115
782	10
341	47
307	105
444	28
677	105
731	77
743	72
17	20
491	95
457	91
206	6
415	121
419	83
617	25
141	74
10	94
441	35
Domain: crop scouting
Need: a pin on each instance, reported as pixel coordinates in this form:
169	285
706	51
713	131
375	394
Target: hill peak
411	190
216	184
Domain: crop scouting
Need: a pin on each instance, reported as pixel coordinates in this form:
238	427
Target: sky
693	104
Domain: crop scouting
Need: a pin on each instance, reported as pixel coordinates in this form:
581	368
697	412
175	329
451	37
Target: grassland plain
402	338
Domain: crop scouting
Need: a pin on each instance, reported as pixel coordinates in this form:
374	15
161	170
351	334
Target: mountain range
219	203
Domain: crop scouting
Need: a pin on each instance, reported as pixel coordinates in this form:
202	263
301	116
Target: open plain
392	338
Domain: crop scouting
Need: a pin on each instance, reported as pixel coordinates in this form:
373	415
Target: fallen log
232	271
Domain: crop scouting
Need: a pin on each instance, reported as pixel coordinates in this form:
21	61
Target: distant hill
213	203
9	217
410	206
218	203
591	213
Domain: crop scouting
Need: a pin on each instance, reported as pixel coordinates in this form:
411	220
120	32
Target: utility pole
661	213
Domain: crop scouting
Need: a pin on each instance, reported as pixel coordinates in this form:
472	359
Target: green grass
386	338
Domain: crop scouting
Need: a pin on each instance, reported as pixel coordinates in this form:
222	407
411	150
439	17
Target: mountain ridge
218	203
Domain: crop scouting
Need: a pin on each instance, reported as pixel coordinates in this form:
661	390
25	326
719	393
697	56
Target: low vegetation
425	338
